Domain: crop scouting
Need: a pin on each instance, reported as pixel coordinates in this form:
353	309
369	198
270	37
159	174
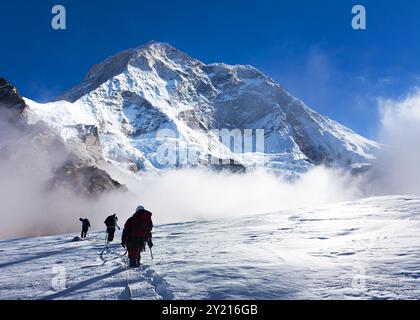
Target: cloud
29	209
398	168
191	194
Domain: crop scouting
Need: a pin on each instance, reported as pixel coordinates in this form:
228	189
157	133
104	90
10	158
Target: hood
142	212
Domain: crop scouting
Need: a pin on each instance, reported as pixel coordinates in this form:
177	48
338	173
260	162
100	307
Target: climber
136	233
111	223
85	227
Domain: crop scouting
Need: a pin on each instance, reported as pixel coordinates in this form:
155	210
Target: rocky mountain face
141	101
84	180
10	97
26	148
12	104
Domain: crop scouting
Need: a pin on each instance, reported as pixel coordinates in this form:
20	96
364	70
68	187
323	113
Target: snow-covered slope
369	249
132	96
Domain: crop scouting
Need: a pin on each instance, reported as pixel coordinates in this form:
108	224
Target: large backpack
110	221
141	225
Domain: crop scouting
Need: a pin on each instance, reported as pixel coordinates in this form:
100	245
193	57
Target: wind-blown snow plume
181	195
199	194
173	196
25	170
398	169
29	205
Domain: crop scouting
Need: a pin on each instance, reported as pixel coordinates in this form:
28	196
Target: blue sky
308	46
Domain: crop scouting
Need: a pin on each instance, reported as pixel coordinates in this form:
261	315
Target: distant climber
111	223
136	233
85	227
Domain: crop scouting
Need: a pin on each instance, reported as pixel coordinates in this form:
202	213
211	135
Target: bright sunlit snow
368	249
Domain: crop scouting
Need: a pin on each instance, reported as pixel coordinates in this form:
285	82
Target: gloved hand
150	243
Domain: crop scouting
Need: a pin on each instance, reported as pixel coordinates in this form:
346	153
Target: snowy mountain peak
133	95
143	57
148	53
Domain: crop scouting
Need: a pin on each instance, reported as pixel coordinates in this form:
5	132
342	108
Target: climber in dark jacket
85	227
136	233
111	223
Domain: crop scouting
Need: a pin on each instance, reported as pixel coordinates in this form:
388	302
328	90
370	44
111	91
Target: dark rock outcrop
84	180
12	105
220	165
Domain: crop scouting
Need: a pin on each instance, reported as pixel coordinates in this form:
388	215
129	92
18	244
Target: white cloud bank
26	210
398	167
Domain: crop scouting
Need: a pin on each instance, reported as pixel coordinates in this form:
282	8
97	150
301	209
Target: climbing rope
127	278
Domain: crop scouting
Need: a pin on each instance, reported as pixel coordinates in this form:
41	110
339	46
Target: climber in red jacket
136	233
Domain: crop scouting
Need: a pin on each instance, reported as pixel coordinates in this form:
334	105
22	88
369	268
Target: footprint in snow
320	238
159	283
345	253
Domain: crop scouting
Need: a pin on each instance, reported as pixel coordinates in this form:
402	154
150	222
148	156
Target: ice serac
131	96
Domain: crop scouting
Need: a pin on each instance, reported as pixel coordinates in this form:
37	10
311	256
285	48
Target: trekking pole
106	239
151	252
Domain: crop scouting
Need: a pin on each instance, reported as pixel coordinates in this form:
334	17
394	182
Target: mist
201	194
173	196
28	209
397	170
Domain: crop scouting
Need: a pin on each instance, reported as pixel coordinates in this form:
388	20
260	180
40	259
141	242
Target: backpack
141	225
110	221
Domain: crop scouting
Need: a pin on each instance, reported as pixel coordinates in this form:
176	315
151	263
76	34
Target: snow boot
133	263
